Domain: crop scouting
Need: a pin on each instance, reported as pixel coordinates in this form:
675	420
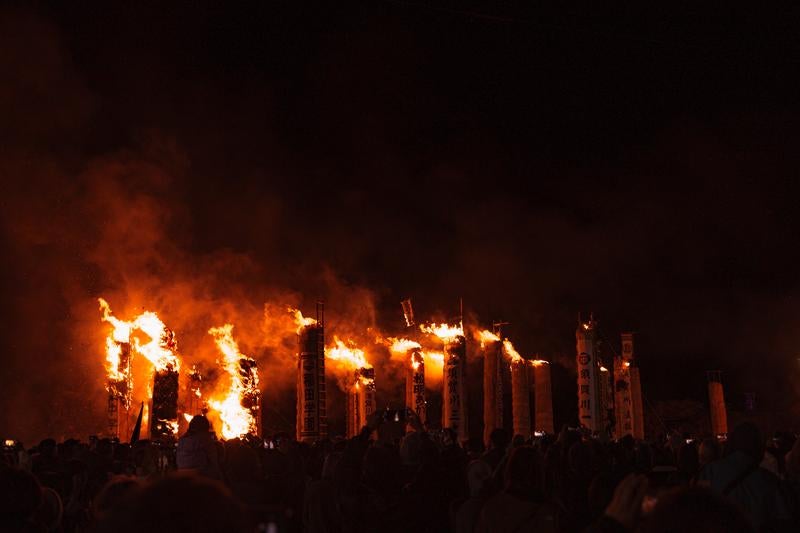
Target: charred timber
164	414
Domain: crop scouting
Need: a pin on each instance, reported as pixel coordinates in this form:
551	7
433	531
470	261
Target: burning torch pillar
521	398
716	400
360	401
454	398
492	388
415	384
589	405
543	392
312	423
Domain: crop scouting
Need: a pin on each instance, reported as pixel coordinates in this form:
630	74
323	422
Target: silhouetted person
739	476
197	449
520	506
20	498
695	510
183	501
498	443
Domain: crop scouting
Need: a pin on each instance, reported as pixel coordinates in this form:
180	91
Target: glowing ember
237	420
172	425
511	353
346	356
446	332
301	320
539	362
485	337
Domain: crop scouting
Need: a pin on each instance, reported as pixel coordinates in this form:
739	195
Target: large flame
400	349
300	320
511	353
122	329
236	419
446	332
346	356
485	337
402	346
161	348
121	334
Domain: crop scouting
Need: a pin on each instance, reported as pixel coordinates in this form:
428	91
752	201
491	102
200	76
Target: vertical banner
543	396
454	398
492	388
521	399
310	385
588	368
623	401
415	384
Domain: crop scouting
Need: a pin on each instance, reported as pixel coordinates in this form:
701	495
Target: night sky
201	159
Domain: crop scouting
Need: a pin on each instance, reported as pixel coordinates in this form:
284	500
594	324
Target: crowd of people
382	481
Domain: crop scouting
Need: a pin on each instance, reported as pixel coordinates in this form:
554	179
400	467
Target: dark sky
536	161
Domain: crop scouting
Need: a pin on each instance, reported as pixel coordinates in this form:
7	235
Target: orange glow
236	419
121	334
603	369
539	362
626	364
187	417
446	332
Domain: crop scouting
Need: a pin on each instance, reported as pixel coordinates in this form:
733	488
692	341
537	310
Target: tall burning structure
543	396
240	410
356	378
312	420
520	391
413	360
160	350
118	366
454	390
716	401
590	406
360	400
492	382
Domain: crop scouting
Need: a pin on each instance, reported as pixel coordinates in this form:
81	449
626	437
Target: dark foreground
423	482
